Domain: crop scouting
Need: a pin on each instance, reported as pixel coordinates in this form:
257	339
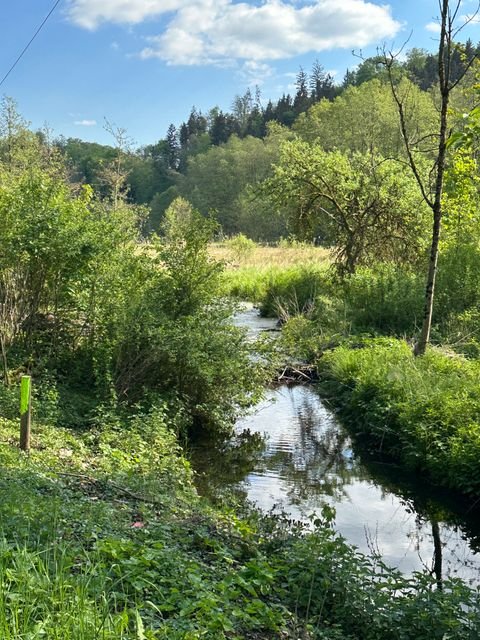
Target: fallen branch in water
297	373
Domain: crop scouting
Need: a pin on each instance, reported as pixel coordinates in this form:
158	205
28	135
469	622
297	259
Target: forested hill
217	160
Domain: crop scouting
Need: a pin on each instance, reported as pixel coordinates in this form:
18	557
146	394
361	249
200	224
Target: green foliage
217	180
103	536
293	291
365	118
158	205
461	200
82	302
341	594
290	290
366	207
248	283
240	246
169	330
385	298
382	299
55	245
146	170
425	411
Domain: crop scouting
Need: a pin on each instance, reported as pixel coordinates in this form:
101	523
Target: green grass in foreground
423	411
104	537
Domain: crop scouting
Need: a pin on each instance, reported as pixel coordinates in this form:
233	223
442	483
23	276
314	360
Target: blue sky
144	63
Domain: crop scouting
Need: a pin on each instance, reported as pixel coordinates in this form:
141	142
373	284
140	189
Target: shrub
240	246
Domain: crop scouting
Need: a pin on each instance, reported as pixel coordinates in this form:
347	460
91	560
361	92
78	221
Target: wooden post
25	412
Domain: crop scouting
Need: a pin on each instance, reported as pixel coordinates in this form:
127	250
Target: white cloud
89	14
223	31
433	27
470	19
85	123
214	31
255	73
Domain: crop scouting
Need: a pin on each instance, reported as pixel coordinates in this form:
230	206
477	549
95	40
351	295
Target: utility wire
30	42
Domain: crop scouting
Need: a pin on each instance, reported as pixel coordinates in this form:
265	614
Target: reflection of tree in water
450	552
315	457
444	520
221	465
312	456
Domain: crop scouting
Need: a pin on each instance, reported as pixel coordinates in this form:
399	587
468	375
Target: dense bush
173	334
83	306
240	246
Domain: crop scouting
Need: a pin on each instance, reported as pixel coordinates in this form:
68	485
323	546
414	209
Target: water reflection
304	448
306	460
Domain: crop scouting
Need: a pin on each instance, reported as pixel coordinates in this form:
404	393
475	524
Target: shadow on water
292	456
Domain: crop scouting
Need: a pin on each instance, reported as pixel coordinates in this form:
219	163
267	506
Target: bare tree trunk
449	14
445	44
4	361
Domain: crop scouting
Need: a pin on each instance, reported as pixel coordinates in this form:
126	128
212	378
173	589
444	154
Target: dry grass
263	257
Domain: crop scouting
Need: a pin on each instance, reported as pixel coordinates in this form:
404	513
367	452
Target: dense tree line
218	159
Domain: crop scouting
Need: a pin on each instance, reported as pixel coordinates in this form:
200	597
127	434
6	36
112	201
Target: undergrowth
103	536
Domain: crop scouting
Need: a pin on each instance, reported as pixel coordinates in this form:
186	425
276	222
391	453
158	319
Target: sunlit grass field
263	274
263	257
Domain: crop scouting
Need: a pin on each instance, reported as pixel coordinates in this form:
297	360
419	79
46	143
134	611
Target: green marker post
25	412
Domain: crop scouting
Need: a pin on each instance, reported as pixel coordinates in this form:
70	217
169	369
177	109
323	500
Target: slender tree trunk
424	339
437	210
444	78
4	361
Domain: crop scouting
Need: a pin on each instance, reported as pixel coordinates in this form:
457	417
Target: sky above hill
143	64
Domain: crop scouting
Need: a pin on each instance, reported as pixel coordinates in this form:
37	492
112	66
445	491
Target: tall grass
273	289
52	593
424	412
262	257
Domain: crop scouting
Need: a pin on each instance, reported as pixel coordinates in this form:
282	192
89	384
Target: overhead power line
30	42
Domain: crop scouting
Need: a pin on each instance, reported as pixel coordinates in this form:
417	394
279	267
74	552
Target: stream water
306	460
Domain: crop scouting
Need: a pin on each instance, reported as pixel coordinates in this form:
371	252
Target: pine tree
349	79
184	135
269	113
284	111
301	101
173	147
317	78
218	130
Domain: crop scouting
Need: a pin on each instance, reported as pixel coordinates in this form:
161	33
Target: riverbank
104	536
424	412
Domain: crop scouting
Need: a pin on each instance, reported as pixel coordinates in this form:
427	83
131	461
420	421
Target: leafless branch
388	60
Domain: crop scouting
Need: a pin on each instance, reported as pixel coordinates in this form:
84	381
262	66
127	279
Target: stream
304	459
